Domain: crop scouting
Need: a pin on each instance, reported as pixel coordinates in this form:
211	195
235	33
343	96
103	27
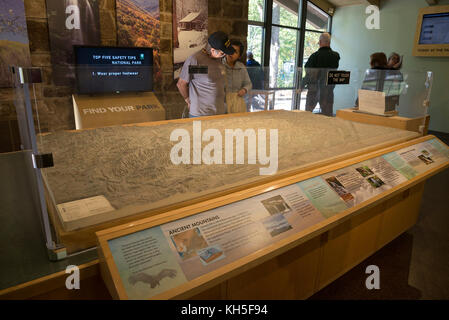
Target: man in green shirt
317	66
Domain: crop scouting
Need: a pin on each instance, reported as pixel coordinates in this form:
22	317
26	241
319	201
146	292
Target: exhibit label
78	209
358	183
155	260
338	77
145	263
417	159
322	196
212	239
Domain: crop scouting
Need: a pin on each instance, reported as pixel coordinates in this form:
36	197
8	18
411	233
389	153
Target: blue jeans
192	116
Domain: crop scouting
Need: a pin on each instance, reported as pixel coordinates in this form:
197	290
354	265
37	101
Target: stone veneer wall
55	103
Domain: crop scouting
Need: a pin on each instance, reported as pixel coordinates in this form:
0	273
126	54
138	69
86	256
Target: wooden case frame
399	206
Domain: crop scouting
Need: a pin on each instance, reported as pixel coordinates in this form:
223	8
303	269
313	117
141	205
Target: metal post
300	49
25	76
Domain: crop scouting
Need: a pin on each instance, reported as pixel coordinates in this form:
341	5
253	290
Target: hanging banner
189	30
14	46
71	22
138	25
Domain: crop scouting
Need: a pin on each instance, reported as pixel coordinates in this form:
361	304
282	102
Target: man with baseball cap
202	78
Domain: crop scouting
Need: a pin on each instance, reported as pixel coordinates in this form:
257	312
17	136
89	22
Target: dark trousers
323	94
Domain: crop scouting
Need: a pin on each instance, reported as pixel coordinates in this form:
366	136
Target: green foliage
311	43
255	41
256	10
137	28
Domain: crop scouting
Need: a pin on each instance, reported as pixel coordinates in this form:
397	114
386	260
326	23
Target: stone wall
54	102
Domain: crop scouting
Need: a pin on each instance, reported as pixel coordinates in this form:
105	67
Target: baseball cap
219	40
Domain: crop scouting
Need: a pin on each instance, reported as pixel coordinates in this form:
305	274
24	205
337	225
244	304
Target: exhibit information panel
154	260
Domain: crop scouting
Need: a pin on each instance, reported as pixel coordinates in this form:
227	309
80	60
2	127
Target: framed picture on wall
138	25
189	30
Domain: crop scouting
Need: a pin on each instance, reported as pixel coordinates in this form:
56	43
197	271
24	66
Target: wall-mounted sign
70	22
338	77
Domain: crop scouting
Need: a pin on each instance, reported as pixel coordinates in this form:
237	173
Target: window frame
301	29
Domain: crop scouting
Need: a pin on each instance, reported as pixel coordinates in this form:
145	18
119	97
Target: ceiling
341	3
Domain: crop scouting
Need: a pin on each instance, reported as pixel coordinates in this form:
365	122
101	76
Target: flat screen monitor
113	69
435	29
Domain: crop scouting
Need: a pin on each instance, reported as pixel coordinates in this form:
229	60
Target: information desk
108	176
285	239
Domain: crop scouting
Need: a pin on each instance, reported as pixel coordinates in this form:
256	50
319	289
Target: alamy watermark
73	20
72	281
212	152
373	20
373	281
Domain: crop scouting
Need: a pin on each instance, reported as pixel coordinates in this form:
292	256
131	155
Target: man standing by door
317	66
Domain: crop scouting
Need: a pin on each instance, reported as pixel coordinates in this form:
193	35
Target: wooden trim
409	124
47	283
236	267
110	276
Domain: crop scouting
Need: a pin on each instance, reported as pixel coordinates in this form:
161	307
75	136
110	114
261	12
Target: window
317	22
256	10
255	42
317	19
283	57
285	13
284	44
274	38
256	28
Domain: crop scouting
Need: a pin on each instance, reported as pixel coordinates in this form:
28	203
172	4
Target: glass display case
112	161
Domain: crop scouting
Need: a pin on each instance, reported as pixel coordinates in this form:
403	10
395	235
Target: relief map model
131	166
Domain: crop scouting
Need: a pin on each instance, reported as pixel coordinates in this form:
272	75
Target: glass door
283	52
